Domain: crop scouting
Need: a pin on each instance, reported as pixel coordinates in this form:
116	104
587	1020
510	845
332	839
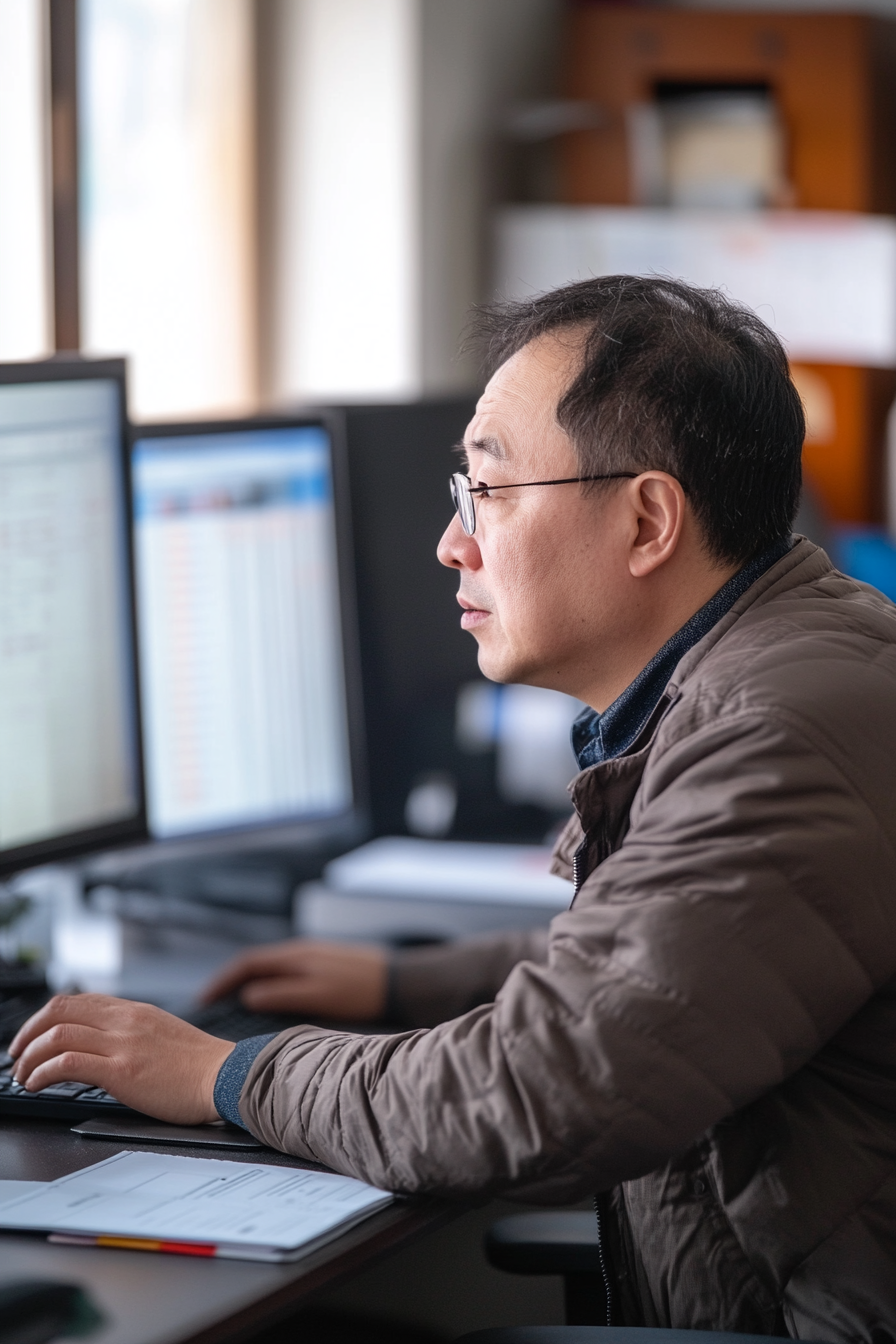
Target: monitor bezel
350	824
132	829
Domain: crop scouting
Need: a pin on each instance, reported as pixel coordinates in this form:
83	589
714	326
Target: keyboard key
63	1090
65	1100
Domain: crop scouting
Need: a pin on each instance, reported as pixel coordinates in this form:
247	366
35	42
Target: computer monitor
245	628
70	770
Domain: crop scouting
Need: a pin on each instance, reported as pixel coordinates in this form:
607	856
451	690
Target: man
710	1031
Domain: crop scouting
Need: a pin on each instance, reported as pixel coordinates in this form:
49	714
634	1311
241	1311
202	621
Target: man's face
544	578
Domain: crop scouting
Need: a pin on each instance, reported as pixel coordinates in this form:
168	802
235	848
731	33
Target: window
167	199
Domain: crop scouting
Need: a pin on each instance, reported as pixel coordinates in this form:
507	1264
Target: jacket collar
603	794
804	563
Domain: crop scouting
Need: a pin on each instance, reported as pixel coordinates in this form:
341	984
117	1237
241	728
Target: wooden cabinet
833	78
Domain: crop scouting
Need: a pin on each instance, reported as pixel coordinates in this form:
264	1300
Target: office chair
568	1244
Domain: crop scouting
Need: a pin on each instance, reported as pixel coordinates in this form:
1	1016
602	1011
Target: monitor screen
70	775
240	627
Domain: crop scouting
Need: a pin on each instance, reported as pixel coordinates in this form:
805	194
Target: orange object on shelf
836	457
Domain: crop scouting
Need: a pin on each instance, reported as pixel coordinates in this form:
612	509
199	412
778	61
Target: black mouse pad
156	1131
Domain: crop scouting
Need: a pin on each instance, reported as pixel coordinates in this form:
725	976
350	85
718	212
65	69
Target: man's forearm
428	985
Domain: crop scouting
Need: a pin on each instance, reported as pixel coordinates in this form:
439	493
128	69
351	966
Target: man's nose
456	549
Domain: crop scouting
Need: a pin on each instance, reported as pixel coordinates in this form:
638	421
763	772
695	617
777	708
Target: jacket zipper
578	877
604	1271
578	866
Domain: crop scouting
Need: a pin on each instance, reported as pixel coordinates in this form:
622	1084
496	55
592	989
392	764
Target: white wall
346	231
476	58
382	171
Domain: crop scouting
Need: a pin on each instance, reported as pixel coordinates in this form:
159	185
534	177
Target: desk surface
163	1299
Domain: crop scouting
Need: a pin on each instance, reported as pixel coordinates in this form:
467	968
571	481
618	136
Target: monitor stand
254	872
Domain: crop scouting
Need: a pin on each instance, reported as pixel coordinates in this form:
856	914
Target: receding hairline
575	331
488	445
491	446
571	339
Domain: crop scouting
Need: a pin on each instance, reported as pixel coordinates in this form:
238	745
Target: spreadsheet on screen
239	629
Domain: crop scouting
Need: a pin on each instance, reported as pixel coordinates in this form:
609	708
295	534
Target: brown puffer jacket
712	1024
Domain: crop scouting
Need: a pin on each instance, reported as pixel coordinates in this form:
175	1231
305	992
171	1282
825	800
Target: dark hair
677	379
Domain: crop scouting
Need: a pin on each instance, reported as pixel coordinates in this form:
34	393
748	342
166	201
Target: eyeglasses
462	492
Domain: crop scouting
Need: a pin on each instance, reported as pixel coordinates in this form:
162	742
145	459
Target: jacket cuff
233	1074
274	1093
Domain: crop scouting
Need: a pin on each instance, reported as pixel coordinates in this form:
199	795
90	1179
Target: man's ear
659	504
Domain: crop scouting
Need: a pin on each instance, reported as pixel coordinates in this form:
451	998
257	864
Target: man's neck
598	736
660	612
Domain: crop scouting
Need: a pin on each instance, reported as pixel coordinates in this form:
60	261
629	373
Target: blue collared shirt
595	738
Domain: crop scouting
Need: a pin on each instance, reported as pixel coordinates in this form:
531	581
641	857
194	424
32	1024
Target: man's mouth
473	615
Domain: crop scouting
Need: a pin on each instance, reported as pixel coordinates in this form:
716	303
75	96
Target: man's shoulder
796	685
808	642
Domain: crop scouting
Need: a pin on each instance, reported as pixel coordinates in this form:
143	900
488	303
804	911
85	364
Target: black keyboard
230	1021
59	1101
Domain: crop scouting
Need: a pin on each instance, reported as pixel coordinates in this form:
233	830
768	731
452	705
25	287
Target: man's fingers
260	962
92	1009
63	1038
226	981
278	994
38	1023
73	1066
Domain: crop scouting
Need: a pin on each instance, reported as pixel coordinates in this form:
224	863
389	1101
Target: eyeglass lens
463	502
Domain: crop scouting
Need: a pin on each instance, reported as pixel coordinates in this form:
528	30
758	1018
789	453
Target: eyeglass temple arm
565	480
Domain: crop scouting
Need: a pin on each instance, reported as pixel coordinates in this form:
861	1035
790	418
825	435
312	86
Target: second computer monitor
243	624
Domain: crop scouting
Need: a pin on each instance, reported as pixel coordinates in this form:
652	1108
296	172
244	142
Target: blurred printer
402	891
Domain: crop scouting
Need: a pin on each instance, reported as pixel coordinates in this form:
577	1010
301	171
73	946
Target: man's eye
485	489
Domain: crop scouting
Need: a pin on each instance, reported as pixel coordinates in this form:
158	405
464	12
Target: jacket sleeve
709	958
429	985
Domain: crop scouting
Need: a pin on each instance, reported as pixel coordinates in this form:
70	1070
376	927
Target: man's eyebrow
489	446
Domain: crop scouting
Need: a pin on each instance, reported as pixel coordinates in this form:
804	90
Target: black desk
163	1299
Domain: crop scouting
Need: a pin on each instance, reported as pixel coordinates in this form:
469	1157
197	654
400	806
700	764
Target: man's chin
507	668
497	664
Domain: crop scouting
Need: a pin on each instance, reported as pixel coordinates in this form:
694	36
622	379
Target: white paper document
15	1189
245	1210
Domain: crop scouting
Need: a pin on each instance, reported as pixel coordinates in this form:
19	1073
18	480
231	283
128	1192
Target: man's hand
145	1057
318	979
